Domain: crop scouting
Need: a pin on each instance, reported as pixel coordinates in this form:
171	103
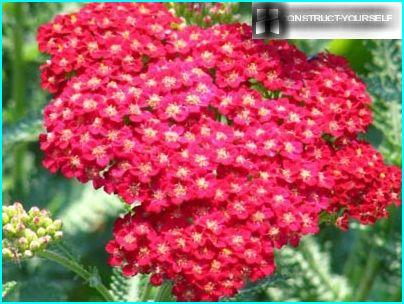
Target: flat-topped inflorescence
227	147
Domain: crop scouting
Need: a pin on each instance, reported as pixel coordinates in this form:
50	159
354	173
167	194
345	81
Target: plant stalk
18	92
164	293
371	270
146	292
18	89
79	270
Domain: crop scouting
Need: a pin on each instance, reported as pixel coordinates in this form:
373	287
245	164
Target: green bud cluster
25	233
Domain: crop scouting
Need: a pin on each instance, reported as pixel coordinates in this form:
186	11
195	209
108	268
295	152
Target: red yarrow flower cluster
364	186
227	148
101	37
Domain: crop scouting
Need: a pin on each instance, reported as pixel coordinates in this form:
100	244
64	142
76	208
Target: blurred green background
363	264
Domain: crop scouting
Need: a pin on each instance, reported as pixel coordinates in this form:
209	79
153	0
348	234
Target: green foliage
90	211
384	84
375	269
24	131
89	274
256	291
303	274
32	275
308	275
384	70
125	289
379	248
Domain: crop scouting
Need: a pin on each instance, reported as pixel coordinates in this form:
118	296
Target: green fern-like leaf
118	287
303	274
307	274
91	210
373	266
254	291
24	131
384	71
125	289
375	260
384	84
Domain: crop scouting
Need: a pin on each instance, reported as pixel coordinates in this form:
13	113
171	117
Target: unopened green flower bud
23	242
44	213
29	234
36	220
24	218
45	222
34	245
18	206
57	224
34	211
28	253
5	218
19	227
12	210
45	239
52	229
9	228
41	232
7	253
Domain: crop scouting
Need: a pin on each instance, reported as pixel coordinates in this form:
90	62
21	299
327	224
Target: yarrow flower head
25	233
226	147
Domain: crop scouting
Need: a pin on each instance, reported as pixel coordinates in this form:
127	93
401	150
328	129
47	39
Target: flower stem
371	270
18	92
146	292
164	293
79	270
18	88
